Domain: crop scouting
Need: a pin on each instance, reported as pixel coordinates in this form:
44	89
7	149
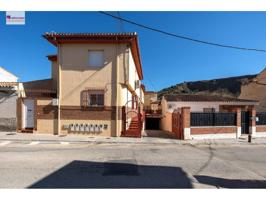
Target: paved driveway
158	134
66	165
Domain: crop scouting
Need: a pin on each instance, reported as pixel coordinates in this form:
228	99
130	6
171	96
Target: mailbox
76	127
91	128
101	128
96	128
87	127
72	127
81	127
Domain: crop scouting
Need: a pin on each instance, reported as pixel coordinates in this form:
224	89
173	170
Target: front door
29	113
244	122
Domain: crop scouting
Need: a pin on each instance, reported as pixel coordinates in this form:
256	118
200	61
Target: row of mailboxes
87	127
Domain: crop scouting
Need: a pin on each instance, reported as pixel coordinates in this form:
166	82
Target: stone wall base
8	124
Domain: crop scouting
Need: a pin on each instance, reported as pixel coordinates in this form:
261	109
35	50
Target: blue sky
165	60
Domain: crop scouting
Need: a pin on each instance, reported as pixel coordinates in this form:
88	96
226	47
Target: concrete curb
90	142
5	136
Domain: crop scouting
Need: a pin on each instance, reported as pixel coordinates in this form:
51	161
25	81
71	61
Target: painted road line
64	143
5	143
34	143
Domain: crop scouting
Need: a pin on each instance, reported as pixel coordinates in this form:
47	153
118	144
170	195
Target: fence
262	118
213	119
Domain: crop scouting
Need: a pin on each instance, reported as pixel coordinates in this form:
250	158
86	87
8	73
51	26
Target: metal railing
261	118
213	119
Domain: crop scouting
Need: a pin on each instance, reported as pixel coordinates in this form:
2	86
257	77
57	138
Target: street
91	165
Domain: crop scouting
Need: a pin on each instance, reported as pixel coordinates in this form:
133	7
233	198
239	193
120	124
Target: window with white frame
96	58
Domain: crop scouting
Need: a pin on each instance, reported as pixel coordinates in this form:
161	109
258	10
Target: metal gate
132	119
177	124
244	122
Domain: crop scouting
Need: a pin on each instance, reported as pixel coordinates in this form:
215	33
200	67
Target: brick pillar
185	117
238	122
252	121
19	114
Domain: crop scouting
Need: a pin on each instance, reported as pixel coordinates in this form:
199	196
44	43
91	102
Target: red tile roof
8	84
204	98
54	34
130	38
52	57
150	92
39	88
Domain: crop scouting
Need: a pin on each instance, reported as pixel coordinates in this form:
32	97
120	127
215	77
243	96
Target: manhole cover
121	167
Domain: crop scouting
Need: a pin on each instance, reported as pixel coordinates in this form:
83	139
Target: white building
8	96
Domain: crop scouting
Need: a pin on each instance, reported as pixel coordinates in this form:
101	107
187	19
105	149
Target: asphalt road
66	165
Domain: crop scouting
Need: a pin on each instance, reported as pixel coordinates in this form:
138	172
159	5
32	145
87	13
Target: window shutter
96	58
100	99
84	98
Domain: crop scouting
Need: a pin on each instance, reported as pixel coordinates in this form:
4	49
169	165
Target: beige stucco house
95	87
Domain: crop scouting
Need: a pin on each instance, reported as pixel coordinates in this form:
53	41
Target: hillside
230	87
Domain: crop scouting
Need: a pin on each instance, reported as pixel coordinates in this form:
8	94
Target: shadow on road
114	174
231	183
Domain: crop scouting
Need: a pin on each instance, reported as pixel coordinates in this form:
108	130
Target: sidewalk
24	137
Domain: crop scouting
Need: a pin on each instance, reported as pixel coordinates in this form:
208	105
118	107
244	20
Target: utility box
55	102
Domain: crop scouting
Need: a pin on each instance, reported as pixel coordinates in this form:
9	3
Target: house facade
95	84
8	96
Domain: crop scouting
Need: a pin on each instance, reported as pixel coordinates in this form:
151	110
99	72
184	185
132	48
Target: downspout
59	90
117	89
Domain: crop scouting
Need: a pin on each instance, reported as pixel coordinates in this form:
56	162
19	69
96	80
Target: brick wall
261	128
212	130
188	132
185	114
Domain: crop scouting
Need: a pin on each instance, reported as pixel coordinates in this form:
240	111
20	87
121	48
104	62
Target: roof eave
131	39
222	102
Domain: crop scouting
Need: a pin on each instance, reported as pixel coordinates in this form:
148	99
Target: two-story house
95	87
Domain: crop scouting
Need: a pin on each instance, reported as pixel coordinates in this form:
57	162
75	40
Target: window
209	110
96	98
92	98
96	58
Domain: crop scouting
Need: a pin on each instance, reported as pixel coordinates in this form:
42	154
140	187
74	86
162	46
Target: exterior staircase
134	129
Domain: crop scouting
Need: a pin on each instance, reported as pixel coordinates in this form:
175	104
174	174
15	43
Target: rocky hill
230	87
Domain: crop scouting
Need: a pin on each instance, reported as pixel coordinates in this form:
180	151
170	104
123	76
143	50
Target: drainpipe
117	90
59	89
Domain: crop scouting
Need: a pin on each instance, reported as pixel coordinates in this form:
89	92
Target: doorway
28	113
152	123
244	122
